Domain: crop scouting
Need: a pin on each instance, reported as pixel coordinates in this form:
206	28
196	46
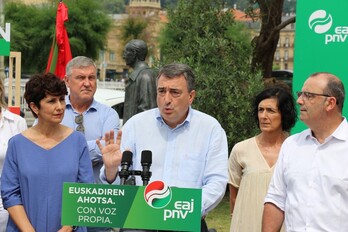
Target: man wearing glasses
309	187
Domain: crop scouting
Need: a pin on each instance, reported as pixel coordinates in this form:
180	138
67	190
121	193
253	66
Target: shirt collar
93	106
340	133
7	114
186	122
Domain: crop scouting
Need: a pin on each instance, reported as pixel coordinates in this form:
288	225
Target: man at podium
189	147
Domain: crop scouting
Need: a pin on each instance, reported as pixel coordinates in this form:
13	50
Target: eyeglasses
79	122
309	95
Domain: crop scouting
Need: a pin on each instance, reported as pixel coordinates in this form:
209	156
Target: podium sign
155	206
321	42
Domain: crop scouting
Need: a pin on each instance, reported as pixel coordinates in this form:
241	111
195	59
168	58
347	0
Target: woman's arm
272	219
20	218
233	197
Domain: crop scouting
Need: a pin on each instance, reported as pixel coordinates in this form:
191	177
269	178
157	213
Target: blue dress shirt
97	120
192	155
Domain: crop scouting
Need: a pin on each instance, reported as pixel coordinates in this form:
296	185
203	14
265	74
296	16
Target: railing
118	85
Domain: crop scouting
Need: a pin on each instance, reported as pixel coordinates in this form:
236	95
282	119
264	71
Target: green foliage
168	3
113	6
206	38
30	33
88	25
134	28
33	28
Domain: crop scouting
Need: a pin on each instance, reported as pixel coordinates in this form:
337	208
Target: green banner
321	43
155	206
5	36
4	47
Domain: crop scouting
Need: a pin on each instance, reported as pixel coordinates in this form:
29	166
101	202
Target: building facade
284	55
110	62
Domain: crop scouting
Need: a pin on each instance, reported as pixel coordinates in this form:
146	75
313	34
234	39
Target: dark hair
176	70
139	47
40	85
286	105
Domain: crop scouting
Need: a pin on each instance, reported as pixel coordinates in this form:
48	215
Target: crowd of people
276	181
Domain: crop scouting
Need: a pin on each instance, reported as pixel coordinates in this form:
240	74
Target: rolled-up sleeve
277	188
10	187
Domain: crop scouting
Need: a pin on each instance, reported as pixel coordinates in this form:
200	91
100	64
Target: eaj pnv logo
320	21
157	194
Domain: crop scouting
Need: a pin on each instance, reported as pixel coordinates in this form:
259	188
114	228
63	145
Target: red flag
60	53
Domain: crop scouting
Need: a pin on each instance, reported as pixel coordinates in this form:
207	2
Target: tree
133	28
27	36
202	35
113	6
33	28
265	44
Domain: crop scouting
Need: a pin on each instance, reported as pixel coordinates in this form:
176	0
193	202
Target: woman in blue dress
40	159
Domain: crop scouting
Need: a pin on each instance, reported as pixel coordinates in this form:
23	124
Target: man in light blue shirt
85	114
189	148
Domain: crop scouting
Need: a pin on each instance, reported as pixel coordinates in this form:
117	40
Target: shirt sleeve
277	188
216	174
10	187
111	122
102	177
234	167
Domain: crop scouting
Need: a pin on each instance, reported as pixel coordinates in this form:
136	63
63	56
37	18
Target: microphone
146	161
126	162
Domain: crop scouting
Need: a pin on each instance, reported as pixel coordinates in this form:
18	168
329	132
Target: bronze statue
141	85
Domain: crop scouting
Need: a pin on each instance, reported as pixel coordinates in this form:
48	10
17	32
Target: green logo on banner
155	206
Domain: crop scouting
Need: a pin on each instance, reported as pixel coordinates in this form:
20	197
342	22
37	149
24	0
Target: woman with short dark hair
40	159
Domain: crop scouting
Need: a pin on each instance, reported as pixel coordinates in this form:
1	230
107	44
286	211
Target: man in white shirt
309	188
